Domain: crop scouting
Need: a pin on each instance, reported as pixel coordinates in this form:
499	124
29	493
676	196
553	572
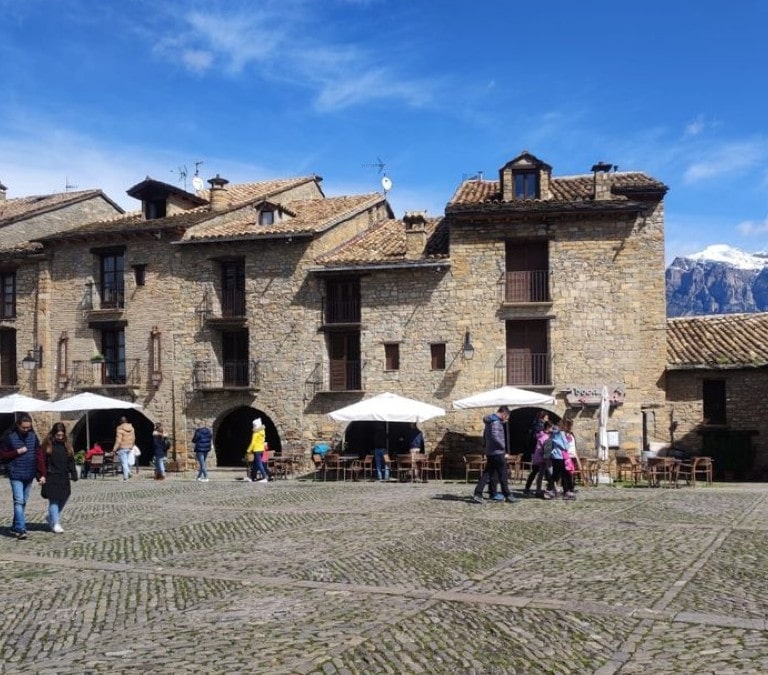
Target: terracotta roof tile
384	243
718	341
20	208
312	216
564	189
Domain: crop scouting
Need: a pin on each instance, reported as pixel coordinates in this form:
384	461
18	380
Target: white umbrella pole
87	431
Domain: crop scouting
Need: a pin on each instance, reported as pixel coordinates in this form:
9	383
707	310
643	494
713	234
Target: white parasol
509	396
88	401
387	408
602	429
14	403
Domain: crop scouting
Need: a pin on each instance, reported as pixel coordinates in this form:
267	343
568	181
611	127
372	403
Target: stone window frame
437	356
391	356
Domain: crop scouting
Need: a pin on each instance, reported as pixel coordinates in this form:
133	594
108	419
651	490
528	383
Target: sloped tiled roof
20	208
564	190
384	243
718	341
237	196
312	216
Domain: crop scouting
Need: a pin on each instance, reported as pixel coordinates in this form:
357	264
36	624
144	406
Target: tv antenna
181	172
386	182
69	186
197	182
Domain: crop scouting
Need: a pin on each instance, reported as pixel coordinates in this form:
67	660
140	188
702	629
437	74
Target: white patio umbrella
508	396
88	401
387	408
602	428
14	403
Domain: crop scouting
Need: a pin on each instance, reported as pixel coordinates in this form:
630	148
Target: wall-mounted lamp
33	359
467	350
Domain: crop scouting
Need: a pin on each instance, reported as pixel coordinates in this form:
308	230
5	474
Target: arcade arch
232	434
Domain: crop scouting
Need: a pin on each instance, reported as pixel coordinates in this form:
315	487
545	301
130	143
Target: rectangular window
113	350
344	361
528	358
112	280
8	290
342	302
8	371
392	357
527	271
437	353
233	288
234	350
713	397
526	185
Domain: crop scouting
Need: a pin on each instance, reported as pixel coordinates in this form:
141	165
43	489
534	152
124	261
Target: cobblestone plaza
359	577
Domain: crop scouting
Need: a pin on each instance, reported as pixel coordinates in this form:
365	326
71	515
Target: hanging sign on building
590	395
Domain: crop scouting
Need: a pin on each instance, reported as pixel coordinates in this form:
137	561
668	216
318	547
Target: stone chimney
415	234
601	184
218	193
3	191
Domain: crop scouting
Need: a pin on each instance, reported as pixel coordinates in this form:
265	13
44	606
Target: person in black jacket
202	441
60	470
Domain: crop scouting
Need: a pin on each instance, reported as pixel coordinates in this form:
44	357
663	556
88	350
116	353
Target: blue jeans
202	472
258	465
20	490
382	467
160	466
124	455
54	511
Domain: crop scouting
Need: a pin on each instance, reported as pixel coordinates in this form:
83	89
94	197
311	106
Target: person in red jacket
95	449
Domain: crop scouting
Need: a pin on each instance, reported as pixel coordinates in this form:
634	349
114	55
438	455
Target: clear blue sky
101	94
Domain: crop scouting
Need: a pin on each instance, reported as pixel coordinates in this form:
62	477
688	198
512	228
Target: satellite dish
386	183
197	183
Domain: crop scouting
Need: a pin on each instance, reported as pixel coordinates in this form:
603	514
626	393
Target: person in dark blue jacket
202	441
26	462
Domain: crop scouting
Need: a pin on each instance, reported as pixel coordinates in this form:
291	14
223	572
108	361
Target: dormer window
154	209
526	184
266	217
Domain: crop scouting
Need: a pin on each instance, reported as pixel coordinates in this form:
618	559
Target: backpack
546	449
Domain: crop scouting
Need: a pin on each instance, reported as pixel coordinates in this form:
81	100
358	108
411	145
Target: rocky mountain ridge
719	280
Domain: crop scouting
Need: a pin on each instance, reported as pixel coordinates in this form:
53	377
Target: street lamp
33	359
467	350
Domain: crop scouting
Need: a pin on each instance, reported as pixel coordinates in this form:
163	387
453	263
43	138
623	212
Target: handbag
44	491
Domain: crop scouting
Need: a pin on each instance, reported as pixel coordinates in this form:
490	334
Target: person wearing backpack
558	456
540	462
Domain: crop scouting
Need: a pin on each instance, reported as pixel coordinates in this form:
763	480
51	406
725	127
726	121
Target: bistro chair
432	466
629	468
96	465
473	464
335	464
695	468
515	467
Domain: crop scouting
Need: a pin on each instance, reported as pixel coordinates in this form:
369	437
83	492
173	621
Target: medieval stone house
271	299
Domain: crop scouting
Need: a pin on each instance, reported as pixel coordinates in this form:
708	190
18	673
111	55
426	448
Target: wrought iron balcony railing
210	374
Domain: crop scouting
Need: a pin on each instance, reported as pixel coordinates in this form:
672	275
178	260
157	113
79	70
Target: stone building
717	375
24	312
271	299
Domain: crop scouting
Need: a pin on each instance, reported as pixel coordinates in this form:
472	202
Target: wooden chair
432	466
335	464
111	464
408	467
661	471
96	466
629	468
473	464
318	466
578	473
695	468
515	467
366	464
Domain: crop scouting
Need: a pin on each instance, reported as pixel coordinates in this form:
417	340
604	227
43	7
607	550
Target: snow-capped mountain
718	280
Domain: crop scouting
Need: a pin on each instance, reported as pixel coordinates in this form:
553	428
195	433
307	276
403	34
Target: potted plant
97	357
79	461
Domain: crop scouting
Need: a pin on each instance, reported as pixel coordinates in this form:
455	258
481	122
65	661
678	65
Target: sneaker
58	529
569	496
21	535
498	497
539	494
511	500
262	480
548	495
477	499
247	479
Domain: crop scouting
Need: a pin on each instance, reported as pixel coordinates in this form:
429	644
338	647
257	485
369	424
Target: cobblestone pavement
359	577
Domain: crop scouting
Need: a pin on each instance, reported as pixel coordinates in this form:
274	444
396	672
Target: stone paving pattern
359	577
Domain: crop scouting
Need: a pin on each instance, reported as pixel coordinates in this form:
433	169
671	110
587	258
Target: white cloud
696	127
752	228
726	159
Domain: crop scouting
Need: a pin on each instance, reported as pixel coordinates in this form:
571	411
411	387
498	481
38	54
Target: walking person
25	461
495	456
160	445
202	441
380	452
540	466
125	439
60	471
95	449
258	441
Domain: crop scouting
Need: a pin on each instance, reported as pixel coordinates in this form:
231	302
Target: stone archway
520	424
103	424
232	435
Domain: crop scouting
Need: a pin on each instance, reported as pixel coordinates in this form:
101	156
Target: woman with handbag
60	470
